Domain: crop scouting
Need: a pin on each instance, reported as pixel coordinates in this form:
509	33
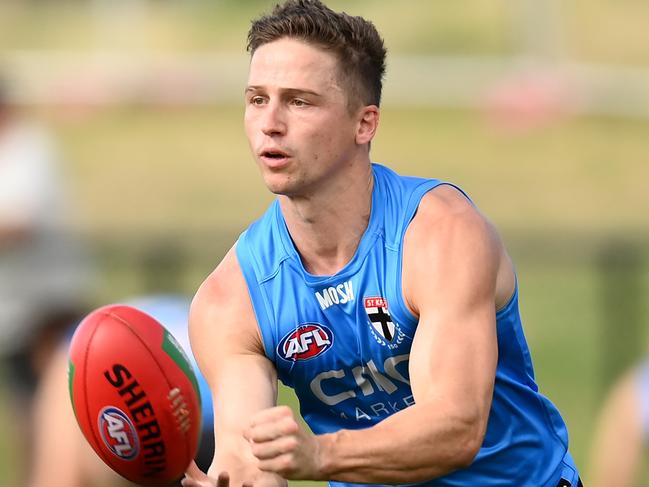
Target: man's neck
326	228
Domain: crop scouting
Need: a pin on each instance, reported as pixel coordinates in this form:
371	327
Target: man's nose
273	122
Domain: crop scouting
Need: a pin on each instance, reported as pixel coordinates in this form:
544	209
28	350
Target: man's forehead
292	64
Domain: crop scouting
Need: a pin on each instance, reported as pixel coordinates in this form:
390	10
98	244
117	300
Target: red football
134	395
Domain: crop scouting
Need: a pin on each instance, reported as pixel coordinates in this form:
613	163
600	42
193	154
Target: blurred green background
535	108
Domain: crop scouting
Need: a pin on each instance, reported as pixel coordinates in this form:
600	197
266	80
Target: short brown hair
354	40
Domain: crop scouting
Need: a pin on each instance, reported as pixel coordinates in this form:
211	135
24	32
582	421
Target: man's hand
195	477
283	446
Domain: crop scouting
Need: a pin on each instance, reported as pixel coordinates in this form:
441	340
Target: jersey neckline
372	232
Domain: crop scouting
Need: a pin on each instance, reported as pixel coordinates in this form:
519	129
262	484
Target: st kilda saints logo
305	342
118	433
384	330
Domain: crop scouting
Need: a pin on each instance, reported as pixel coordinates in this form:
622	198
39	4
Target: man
388	303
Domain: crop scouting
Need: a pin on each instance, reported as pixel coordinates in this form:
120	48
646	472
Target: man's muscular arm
455	274
228	347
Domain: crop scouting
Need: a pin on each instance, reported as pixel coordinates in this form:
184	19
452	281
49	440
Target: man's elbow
461	441
457	452
468	449
469	442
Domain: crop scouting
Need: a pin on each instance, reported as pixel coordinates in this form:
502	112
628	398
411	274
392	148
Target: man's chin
281	191
280	187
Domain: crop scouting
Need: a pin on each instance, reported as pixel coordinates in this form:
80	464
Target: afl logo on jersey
118	433
307	341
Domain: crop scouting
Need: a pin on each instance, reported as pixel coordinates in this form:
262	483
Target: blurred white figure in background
45	276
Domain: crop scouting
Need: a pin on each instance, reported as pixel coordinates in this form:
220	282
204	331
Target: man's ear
368	123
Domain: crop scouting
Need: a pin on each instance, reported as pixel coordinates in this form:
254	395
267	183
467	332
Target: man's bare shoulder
451	236
221	310
445	215
223	283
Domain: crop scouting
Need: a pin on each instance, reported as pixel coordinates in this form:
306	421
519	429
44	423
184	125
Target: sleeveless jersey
343	342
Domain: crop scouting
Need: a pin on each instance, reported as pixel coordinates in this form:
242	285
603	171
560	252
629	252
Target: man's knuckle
291	444
288	425
255	449
287	463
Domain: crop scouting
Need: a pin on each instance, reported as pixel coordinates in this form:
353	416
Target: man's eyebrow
284	91
301	91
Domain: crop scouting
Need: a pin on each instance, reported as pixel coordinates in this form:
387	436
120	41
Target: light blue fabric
349	372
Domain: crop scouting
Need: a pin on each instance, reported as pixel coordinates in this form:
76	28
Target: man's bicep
454	353
454	360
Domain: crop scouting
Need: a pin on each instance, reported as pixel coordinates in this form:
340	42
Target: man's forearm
414	445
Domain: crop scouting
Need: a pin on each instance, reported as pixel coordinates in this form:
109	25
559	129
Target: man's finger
272	449
271	414
272	430
193	471
223	480
283	465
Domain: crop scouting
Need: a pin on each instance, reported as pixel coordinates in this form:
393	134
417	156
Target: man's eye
299	103
257	100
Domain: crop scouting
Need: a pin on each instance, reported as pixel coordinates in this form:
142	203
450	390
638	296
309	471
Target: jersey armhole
511	301
405	219
408	215
257	298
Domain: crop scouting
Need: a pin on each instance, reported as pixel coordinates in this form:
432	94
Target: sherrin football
134	395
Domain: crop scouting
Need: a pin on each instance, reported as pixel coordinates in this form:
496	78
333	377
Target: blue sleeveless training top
343	342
